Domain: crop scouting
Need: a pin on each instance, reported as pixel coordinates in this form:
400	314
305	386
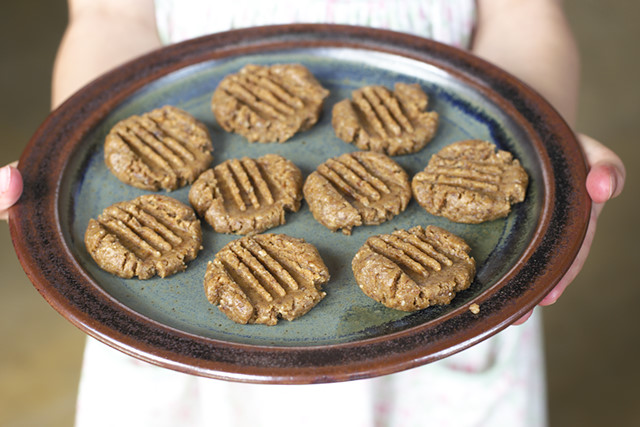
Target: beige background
592	335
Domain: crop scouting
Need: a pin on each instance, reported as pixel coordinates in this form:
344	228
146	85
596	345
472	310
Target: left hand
605	181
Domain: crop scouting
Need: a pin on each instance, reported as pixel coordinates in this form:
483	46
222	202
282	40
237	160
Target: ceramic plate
346	336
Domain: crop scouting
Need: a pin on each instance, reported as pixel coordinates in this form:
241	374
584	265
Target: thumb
10	188
606	171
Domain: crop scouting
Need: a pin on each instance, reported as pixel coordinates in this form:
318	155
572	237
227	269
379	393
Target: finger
607	172
523	319
10	188
602	183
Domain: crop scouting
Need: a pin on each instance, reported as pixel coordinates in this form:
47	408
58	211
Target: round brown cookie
265	277
164	148
387	122
355	189
470	182
247	195
148	235
413	269
268	103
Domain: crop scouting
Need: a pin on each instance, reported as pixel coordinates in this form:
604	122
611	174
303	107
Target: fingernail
612	184
5	179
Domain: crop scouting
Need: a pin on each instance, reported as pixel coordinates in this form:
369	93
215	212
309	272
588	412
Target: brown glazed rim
46	258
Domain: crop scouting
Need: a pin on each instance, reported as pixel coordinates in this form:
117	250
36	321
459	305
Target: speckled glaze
347	336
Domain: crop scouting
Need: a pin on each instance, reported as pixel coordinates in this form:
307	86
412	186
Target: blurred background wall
592	334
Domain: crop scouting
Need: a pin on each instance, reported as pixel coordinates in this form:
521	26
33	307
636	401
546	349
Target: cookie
470	182
268	103
166	148
247	195
388	122
361	188
265	277
413	269
147	236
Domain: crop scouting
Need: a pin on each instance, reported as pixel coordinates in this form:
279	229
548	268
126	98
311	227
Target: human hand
605	181
10	188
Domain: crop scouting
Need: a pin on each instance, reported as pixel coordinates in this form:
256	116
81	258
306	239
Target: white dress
499	382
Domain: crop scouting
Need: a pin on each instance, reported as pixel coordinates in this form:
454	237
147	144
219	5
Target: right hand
10	188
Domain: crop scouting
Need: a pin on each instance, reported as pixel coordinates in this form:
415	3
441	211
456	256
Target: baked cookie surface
360	188
265	277
166	148
147	236
380	120
247	195
470	182
413	269
268	103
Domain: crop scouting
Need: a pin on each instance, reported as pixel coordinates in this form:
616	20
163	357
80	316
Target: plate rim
185	352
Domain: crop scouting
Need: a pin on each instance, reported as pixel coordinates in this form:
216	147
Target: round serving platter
170	323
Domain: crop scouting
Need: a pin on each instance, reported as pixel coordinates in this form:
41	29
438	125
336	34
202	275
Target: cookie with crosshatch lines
147	236
265	277
413	269
166	148
268	103
470	182
360	188
378	119
247	195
